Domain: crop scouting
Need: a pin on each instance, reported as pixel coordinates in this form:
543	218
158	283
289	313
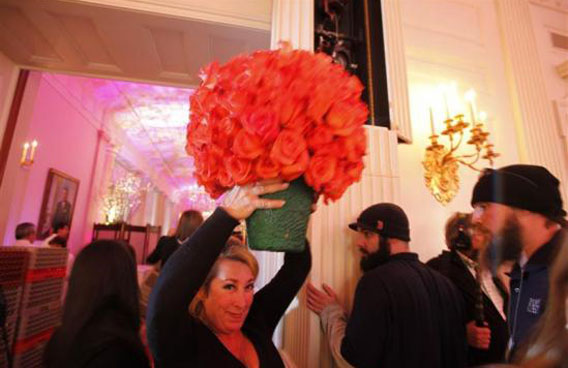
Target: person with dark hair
486	326
100	323
404	313
188	222
228	324
25	234
521	207
59	236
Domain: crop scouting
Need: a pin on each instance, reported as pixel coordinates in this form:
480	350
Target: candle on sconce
482	118
32	153
432	121
472	112
24	153
470	98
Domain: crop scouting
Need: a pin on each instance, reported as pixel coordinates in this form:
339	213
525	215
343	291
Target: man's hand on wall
318	299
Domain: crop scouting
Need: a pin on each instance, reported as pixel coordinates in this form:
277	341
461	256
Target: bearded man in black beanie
405	314
521	207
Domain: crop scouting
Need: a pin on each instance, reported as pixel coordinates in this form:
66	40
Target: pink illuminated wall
67	139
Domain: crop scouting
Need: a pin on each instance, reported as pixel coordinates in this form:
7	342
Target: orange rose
225	179
335	188
239	169
247	145
344	117
265	168
319	137
354	145
354	170
321	170
291	172
264	123
287	147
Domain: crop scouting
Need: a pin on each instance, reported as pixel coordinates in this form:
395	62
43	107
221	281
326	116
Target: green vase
283	229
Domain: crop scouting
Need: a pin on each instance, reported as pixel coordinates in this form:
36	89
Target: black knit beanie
529	187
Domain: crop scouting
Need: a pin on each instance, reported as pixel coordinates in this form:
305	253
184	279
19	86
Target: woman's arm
271	301
179	281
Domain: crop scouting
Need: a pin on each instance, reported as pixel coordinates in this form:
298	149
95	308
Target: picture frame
58	203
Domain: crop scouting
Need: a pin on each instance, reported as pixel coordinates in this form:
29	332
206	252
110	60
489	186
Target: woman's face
230	297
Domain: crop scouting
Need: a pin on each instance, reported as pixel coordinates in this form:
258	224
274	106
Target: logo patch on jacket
534	306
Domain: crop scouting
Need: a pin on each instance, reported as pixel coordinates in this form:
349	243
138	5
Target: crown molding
558	5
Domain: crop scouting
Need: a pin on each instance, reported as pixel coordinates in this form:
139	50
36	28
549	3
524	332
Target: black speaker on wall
351	32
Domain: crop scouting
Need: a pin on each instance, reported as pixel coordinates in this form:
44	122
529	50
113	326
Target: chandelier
442	160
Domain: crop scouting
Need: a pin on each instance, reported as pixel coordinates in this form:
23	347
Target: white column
167	223
539	140
293	21
333	257
396	70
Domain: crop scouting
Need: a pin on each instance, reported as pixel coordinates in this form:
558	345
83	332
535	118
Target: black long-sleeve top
166	246
179	340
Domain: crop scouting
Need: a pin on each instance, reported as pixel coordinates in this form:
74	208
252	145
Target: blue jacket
529	291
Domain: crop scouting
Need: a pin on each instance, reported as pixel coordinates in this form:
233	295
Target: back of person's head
59	226
58	241
25	230
103	280
239	253
188	222
457	231
548	344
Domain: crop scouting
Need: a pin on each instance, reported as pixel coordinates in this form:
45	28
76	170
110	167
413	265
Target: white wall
450	40
67	142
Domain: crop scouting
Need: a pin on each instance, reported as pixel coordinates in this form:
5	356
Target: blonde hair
237	253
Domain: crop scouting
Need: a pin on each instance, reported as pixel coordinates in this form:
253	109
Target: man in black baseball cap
521	207
404	313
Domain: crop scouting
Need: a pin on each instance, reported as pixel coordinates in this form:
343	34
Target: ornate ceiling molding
559	5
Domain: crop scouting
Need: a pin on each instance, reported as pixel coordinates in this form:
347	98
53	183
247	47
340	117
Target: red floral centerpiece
281	113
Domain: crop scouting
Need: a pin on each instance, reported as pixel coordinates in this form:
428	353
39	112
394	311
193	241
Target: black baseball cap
386	219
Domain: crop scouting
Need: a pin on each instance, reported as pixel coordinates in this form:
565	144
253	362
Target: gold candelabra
441	162
28	153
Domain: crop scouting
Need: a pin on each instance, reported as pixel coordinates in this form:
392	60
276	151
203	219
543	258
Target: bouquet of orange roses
278	113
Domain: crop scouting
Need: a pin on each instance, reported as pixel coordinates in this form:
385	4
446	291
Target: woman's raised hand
240	202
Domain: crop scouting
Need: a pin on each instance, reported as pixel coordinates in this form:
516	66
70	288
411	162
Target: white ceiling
72	37
101	39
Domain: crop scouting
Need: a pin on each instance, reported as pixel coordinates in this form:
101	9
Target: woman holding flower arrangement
227	326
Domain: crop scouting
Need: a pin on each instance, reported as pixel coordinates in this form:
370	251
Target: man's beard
505	246
371	260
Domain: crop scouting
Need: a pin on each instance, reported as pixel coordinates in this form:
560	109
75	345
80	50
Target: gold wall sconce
28	153
442	161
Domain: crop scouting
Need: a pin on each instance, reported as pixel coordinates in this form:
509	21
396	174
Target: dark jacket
179	340
529	290
107	341
405	315
450	265
166	246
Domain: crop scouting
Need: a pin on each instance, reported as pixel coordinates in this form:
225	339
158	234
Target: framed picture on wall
58	204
